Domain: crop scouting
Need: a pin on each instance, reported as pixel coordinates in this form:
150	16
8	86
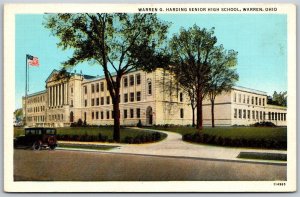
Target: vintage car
37	138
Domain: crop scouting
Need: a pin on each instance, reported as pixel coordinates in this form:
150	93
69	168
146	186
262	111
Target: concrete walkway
174	146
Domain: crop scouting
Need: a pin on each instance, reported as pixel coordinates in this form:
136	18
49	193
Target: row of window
36	99
100	101
242	98
36	109
35	118
110	114
100	87
258	115
56	117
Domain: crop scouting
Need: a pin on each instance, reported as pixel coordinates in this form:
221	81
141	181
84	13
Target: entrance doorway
71	116
149	116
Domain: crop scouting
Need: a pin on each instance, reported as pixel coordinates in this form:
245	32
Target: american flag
33	61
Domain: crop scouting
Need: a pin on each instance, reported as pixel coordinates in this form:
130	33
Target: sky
259	39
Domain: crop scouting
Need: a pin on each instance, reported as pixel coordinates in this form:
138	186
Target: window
181	97
125	113
97	115
248	114
181	113
138	79
131	113
138	112
284	116
149	87
93	88
263	102
71	103
276	116
240	98
102	116
257	115
272	115
244	114
244	99
131	96
85	89
240	113
107	100
131	80
138	96
234	98
252	100
102	101
71	90
248	98
264	117
97	87
102	87
107	114
125	81
260	114
235	113
259	101
125	98
93	102
92	115
255	100
269	114
97	101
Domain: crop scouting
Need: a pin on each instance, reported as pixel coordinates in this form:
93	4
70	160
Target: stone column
52	96
55	95
49	95
63	94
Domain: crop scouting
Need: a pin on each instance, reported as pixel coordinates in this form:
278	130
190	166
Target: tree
18	113
118	43
278	99
222	75
184	76
191	51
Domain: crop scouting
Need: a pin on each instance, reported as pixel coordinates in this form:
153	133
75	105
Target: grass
263	156
95	131
87	146
234	132
250	137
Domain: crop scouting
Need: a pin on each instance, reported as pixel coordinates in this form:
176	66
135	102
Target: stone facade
153	98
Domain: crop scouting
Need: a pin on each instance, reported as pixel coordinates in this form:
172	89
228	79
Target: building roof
249	90
37	93
72	74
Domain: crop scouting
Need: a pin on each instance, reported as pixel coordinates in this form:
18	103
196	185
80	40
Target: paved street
63	165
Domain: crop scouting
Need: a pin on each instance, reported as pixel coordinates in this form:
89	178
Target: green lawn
255	137
107	131
234	132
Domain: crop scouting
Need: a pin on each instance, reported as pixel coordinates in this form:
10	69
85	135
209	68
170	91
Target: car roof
39	128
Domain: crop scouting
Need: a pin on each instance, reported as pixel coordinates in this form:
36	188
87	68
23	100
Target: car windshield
50	131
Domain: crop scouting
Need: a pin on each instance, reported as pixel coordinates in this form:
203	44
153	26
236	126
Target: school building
154	98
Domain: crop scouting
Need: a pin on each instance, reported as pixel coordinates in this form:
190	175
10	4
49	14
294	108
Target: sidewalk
174	146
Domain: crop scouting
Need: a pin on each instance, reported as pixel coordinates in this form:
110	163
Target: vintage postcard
150	97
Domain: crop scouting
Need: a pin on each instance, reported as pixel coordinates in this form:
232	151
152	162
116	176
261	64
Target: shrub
139	124
264	124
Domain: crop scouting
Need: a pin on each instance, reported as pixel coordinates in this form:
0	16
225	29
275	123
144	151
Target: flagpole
26	68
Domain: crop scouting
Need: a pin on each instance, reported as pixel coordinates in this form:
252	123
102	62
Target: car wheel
36	145
52	147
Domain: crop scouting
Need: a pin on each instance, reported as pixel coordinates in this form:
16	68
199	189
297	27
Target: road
65	165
